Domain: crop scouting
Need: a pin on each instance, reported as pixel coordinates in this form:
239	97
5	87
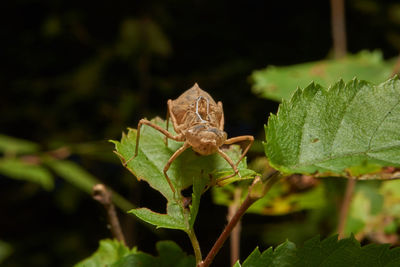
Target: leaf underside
352	127
329	252
279	83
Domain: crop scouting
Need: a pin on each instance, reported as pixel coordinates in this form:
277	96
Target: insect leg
229	160
171	159
240	139
167	118
174	121
158	128
222	120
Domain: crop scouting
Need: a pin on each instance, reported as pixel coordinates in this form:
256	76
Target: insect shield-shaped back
183	109
205	139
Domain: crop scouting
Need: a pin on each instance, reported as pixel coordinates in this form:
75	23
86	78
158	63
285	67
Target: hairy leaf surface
329	252
353	127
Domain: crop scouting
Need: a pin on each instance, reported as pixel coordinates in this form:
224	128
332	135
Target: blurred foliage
374	211
279	83
113	253
289	195
18	169
17	163
75	75
5	250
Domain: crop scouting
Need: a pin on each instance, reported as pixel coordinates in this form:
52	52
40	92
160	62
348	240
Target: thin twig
338	28
102	195
344	209
235	236
250	199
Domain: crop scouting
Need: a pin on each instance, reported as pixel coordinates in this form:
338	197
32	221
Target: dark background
80	72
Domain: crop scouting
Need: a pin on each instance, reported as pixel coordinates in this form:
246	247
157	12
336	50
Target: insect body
199	122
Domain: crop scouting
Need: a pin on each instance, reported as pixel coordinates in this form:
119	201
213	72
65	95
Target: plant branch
344	209
338	28
250	199
102	195
195	245
235	236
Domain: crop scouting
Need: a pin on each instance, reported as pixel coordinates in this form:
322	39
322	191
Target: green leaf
114	253
279	83
329	252
173	219
79	177
10	144
188	167
18	169
345	128
198	187
108	253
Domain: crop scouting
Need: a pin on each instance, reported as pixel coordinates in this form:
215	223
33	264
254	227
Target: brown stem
235	236
344	209
102	195
338	28
250	199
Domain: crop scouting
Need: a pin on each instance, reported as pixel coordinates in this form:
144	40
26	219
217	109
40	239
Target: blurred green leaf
108	253
10	144
345	128
18	169
279	83
375	211
280	200
142	36
113	253
79	177
169	255
5	251
188	167
329	252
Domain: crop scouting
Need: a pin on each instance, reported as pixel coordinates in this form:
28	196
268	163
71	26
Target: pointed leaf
345	128
329	252
282	256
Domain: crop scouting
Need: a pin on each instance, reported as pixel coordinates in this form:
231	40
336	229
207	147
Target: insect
198	122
